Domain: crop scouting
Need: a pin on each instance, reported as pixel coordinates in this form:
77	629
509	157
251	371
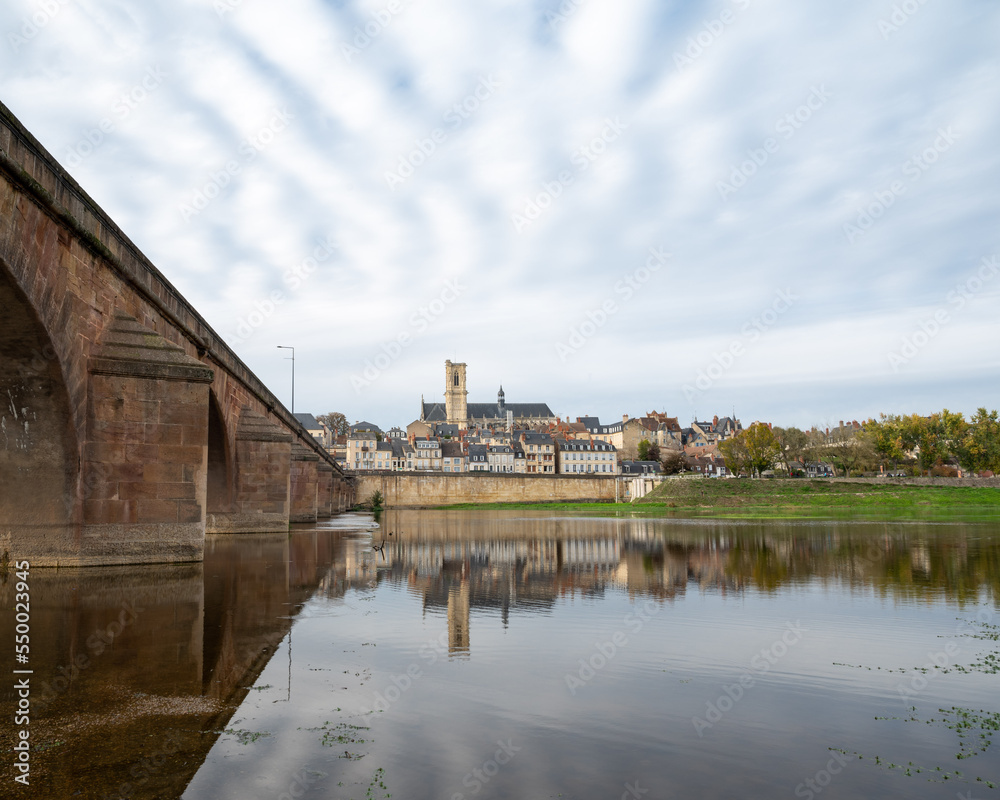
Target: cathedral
455	409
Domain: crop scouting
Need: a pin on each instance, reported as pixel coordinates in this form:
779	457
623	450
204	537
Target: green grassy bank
798	498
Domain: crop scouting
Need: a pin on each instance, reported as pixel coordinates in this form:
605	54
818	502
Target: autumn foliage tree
753	450
979	448
734	453
938	438
763	449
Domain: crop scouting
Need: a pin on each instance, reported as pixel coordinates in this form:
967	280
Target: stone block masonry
147	449
305	484
263	480
426	490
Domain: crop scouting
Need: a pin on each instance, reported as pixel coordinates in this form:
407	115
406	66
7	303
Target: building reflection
459	563
137	669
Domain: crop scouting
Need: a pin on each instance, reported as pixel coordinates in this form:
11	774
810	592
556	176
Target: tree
763	450
673	462
648	451
979	448
734	452
793	443
336	422
934	438
815	445
856	454
886	436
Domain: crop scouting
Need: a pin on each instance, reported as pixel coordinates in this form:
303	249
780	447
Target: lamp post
284	347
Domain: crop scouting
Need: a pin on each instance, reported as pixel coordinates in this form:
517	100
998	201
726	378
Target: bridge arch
39	451
220	470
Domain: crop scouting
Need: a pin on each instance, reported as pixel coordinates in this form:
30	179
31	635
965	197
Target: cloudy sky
785	209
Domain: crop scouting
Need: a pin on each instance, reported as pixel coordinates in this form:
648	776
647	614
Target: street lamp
284	347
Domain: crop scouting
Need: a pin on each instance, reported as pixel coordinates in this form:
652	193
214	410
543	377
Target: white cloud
358	114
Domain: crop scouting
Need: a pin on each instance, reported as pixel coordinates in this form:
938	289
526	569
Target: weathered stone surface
305	484
262	478
324	491
421	490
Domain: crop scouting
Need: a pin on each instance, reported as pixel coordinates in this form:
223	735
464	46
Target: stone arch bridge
128	428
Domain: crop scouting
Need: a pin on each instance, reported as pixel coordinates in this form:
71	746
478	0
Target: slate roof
536	438
593	425
451	450
585	445
435	412
309	422
640	467
727	422
492	410
432	412
365	426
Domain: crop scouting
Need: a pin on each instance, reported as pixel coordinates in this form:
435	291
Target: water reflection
524	564
137	670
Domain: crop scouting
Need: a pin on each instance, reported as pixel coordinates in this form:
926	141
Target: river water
469	654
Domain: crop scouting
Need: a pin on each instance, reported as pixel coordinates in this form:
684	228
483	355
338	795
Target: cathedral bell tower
455	393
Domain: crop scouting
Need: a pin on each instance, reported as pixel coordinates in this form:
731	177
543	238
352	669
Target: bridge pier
145	458
262	479
324	493
305	484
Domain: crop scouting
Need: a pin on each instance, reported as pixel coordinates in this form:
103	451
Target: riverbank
793	498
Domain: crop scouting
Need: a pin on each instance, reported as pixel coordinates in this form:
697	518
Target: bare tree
336	422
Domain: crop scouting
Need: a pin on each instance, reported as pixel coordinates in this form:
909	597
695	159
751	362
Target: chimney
842	423
624	418
715	420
